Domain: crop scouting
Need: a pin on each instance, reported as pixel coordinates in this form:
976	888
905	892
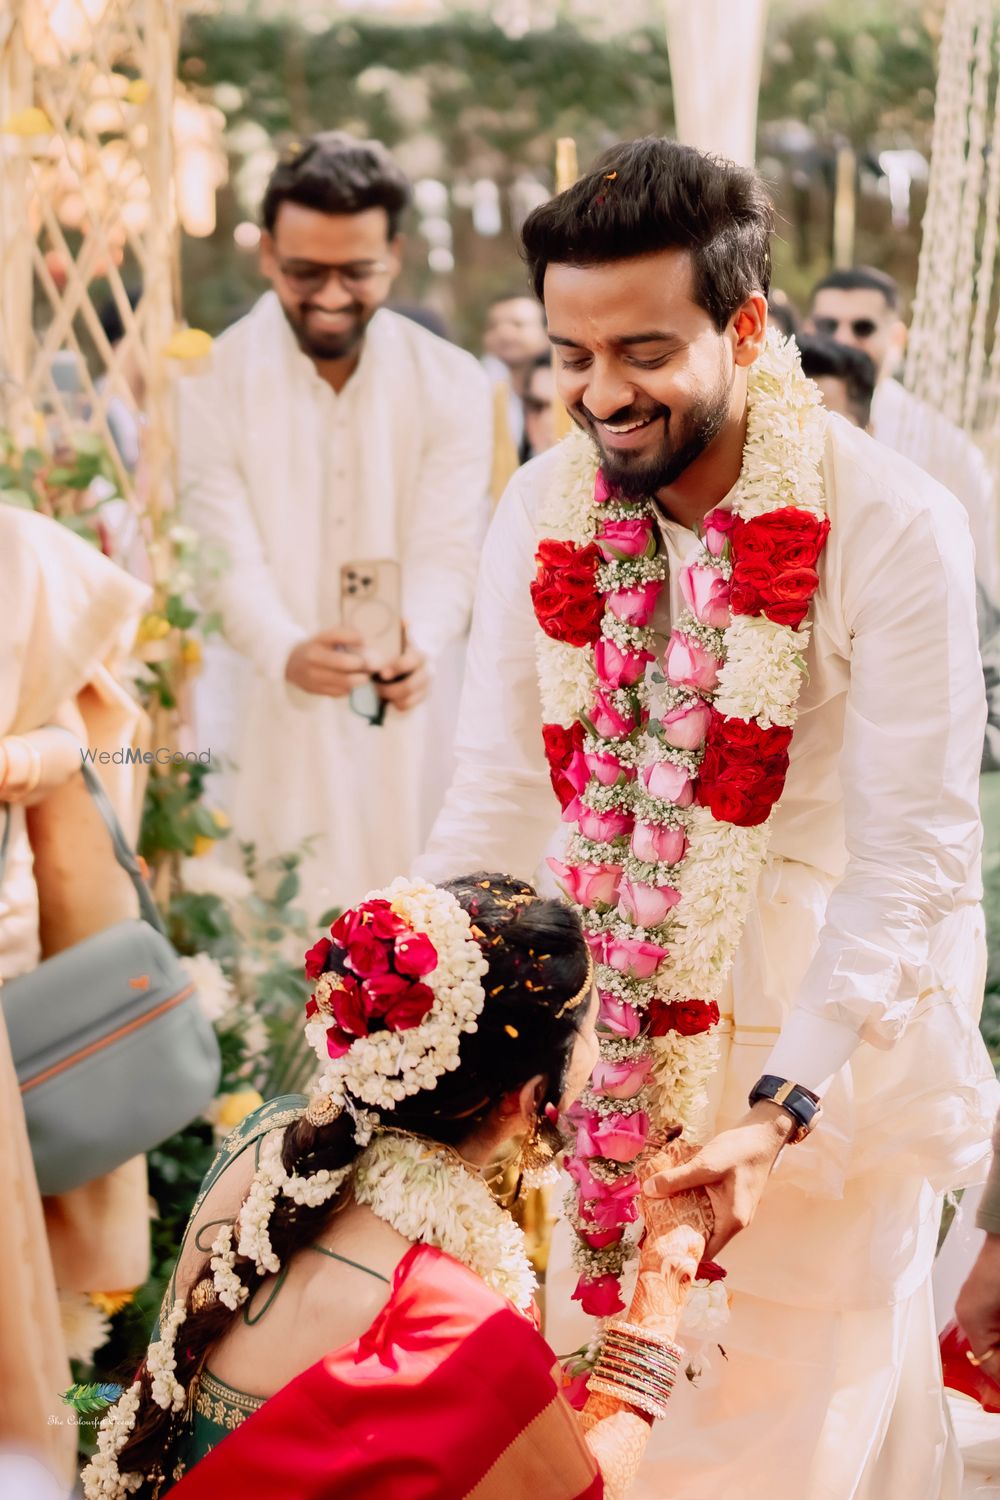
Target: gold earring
535	1158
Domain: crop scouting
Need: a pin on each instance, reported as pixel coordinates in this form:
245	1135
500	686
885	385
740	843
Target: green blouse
215	1408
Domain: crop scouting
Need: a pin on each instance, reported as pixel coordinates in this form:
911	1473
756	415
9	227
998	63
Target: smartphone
370	605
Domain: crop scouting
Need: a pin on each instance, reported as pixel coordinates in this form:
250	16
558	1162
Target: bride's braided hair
537	961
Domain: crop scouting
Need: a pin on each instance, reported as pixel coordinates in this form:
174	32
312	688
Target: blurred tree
462	102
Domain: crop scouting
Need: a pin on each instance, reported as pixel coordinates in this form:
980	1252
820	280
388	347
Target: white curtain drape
716	48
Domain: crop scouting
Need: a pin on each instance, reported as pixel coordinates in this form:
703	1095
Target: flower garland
670	779
429	1197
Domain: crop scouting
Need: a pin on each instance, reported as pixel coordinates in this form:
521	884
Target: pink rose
670	782
689	665
616	1137
717	528
600	1239
658	844
707	595
604	827
599	1296
620	539
646	905
618	1018
415	954
639	959
621	1080
608	723
617	668
602	490
686	728
610	1204
607	769
635	606
589	885
587	1184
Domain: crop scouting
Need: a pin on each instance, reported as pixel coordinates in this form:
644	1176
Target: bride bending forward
351	1313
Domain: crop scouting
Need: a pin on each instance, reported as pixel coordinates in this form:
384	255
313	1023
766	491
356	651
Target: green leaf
330	916
288	889
179	614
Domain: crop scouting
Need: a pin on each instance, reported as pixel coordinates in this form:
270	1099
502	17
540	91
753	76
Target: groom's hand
733	1168
978	1307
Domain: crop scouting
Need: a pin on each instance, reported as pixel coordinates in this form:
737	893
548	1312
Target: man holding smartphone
337	455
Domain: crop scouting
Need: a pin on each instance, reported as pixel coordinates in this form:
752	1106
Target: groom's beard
324	344
635	474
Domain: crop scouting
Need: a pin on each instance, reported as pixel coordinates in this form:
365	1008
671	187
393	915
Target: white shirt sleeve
500	810
444	532
909	770
215	503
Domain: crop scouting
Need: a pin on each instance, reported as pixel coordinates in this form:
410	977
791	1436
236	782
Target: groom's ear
749	329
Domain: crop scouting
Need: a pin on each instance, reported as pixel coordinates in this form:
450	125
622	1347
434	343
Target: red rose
380	919
367	954
564	594
345	926
709	1270
337	1042
560	747
686	1017
415	954
728	804
348	1005
381	990
316	958
409	1008
773	564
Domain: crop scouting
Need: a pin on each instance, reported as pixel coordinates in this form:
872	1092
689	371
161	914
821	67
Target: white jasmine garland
228	1287
161	1362
763	671
428	1197
101	1479
388	1066
706	1309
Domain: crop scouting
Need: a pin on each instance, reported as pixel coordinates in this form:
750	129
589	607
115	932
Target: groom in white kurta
330	430
860	972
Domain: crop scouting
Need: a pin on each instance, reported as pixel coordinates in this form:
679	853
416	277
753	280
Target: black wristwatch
803	1106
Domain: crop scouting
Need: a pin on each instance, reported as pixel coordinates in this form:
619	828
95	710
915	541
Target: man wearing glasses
860	307
330	431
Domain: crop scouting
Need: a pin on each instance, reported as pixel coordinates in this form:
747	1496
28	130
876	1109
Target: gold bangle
980	1359
613	1370
647	1404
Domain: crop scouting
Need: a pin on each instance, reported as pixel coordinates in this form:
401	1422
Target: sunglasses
862	328
308	280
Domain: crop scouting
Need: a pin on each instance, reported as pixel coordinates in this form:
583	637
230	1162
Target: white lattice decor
87	218
953	360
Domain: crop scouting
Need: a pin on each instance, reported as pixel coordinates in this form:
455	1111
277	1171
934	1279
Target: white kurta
909	426
860	971
286	481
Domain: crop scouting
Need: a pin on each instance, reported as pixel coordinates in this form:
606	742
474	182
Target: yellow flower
191	652
230	1110
202	844
138	91
33	121
189	343
111	1302
152	627
219	818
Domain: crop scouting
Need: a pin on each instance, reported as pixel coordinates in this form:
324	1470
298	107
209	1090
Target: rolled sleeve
913	733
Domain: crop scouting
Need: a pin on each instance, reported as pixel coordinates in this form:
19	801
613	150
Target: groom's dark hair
651	195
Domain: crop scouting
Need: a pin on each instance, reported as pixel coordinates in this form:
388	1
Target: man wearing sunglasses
330	431
860	307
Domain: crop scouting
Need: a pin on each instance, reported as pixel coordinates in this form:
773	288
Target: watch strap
803	1105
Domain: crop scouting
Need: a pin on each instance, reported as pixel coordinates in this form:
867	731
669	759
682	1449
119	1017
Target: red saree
450	1395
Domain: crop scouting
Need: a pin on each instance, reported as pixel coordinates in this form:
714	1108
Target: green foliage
59	484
